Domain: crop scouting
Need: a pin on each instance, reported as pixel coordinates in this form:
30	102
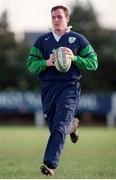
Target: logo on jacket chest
71	40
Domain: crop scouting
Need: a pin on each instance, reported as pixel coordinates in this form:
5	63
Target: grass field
22	148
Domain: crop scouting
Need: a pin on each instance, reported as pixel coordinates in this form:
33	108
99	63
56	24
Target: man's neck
59	32
62	32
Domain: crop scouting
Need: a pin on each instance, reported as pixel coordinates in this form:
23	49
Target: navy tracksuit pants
59	101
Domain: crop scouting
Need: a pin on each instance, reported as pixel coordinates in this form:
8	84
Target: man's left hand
69	52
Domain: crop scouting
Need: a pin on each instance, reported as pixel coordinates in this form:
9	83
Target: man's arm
87	59
35	62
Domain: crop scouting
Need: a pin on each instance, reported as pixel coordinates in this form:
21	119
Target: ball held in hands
63	60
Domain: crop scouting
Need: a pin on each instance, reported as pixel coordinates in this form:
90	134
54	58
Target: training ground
22	148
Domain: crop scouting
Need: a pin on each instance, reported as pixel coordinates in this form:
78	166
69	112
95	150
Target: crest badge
71	39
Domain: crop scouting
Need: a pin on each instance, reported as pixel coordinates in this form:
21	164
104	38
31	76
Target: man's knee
60	130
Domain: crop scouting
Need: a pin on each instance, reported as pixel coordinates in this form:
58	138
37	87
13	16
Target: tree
13	57
4	21
7	50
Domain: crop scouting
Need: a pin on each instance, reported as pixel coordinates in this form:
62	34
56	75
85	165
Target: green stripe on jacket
87	59
35	62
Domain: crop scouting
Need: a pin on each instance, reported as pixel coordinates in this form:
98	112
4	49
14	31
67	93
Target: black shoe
74	136
46	171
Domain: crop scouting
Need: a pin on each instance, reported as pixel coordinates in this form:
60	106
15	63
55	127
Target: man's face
59	20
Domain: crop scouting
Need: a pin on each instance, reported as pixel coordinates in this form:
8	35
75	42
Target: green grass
22	148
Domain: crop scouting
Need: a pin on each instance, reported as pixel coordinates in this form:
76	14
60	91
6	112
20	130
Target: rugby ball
63	62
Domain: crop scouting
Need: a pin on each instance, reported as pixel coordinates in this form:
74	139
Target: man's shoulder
45	35
40	39
78	35
80	38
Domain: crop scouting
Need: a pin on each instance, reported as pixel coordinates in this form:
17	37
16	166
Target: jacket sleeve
35	62
87	58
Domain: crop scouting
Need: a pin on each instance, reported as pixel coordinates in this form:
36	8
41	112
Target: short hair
61	7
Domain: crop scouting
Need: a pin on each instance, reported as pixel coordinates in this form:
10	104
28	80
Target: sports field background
22	148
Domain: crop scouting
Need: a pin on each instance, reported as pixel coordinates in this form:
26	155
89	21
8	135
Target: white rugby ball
63	62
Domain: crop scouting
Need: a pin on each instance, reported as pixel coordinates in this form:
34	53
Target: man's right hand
51	60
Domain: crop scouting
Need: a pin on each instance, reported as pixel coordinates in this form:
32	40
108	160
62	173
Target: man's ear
68	19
